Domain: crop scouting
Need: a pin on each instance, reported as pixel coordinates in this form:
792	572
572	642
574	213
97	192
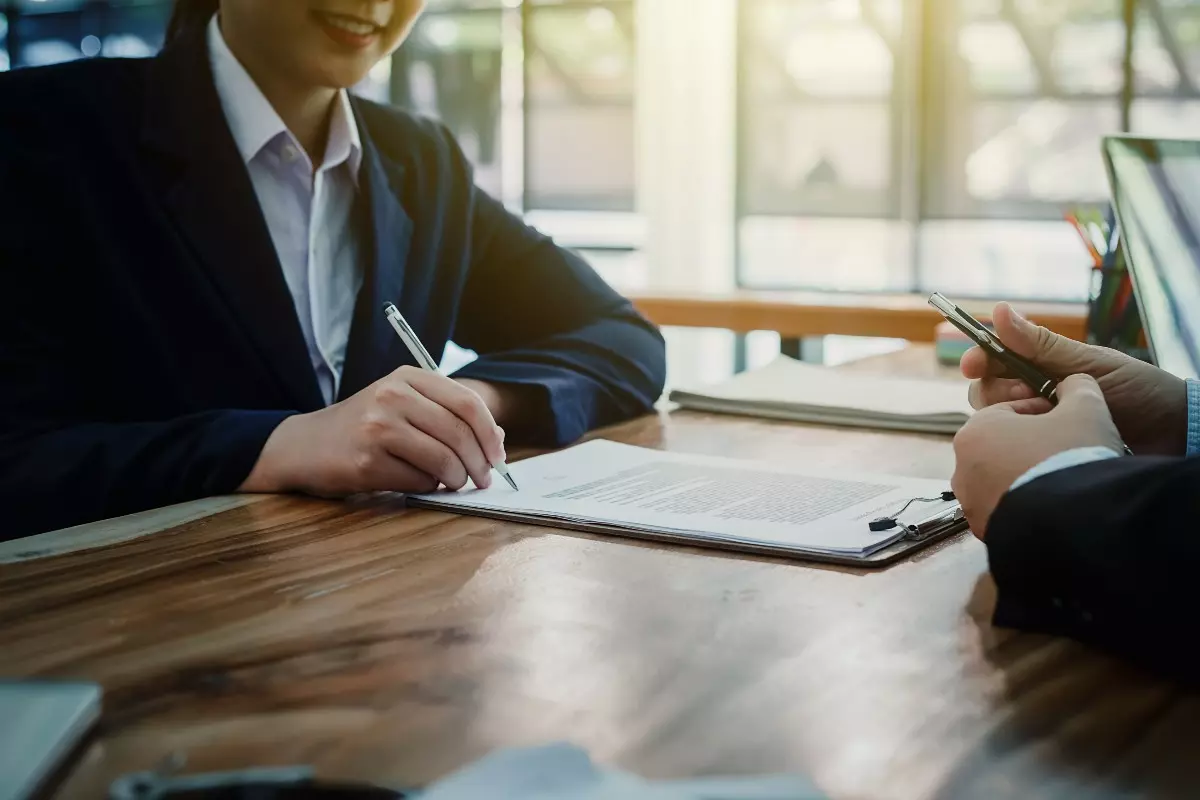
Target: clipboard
918	534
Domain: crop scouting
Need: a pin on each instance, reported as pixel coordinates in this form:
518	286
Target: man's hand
1148	404
1003	442
407	432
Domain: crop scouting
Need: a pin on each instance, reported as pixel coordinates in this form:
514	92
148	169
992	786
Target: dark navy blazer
148	342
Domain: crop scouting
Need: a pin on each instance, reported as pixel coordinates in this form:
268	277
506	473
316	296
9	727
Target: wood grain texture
395	645
120	529
800	314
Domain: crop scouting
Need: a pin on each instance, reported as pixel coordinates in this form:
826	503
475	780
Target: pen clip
965	322
410	339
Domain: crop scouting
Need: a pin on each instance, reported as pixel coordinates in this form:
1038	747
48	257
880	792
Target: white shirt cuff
1067	458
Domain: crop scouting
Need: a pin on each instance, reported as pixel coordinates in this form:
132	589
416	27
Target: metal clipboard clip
939	522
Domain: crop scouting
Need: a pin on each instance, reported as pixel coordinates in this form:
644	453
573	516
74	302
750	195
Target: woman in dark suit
195	250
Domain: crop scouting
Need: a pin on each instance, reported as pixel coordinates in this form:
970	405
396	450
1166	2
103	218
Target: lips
347	30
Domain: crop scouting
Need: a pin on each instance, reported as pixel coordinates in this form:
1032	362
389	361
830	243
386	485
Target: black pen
1015	363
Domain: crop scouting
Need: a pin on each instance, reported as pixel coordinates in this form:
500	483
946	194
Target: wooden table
795	315
392	645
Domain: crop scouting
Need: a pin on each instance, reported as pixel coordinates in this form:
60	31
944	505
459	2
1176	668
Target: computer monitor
1156	194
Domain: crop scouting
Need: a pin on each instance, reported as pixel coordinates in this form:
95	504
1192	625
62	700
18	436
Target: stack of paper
616	488
791	390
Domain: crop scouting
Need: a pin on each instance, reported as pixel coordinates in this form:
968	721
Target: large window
820	162
854	145
540	94
915	145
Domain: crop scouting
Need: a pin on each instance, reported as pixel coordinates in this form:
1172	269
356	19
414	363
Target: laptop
1156	195
42	724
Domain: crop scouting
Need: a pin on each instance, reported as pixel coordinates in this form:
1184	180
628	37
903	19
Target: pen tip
511	482
387	307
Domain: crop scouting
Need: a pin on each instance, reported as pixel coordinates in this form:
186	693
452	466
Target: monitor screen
1156	193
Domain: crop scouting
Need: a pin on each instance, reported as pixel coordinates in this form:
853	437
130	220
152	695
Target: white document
632	490
793	390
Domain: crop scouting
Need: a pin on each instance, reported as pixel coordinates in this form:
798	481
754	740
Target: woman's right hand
1149	405
408	432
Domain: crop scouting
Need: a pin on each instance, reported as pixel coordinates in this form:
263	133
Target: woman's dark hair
188	15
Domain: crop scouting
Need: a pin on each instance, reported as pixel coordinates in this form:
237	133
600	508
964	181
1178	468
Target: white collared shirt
307	211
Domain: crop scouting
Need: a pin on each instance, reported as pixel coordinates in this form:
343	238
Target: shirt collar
254	122
344	143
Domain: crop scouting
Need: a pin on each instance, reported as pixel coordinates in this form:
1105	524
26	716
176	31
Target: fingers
990	391
464	404
387	473
975	364
1056	354
411	427
1018	333
1079	389
432	456
1030	406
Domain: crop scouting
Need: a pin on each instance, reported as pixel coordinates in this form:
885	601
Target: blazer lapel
385	230
212	202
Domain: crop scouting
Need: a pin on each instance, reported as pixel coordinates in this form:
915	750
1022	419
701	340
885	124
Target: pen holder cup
1113	318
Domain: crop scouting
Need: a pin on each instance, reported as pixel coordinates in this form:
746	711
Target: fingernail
500	432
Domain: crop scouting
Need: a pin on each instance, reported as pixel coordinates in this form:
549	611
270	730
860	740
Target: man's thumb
1054	353
1079	389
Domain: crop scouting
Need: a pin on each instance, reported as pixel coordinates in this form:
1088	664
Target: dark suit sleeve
63	461
539	316
1107	553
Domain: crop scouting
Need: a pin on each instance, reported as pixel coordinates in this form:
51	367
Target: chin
340	76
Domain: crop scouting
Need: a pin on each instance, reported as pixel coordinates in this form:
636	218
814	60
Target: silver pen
426	362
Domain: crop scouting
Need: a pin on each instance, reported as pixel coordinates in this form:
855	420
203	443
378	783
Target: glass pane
52	31
1036	152
450	68
818	159
1154	67
1167	119
1185	23
1168	48
579	122
997	58
1022	100
816	98
1029	89
853	255
1015	259
1087	55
